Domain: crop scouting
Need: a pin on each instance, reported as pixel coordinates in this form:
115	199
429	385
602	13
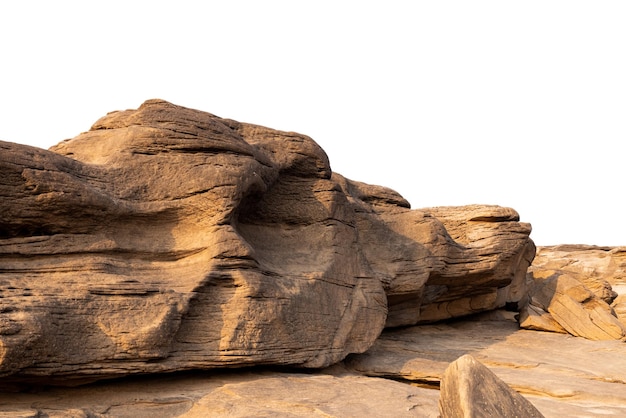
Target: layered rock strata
578	289
167	238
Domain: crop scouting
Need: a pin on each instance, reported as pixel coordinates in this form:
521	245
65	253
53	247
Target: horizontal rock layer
167	239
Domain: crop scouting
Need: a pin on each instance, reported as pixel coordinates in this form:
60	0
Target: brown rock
480	267
168	239
242	394
572	306
536	318
469	389
619	307
559	374
575	289
601	269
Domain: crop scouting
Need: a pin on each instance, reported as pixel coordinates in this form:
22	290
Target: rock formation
471	390
571	290
168	239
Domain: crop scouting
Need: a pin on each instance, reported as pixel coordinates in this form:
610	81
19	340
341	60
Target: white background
515	103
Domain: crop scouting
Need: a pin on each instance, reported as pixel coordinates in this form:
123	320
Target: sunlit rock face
578	290
167	238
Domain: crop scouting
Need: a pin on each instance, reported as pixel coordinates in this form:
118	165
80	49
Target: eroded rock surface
168	239
471	390
559	374
243	394
579	290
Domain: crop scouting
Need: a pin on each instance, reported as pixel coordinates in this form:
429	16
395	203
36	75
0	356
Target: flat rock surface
244	394
560	374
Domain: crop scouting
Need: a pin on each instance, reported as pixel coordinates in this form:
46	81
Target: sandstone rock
169	239
243	394
487	248
606	263
572	306
559	374
601	269
469	389
573	289
619	307
536	318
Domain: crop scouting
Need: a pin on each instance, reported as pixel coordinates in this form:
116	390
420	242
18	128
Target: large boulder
471	390
167	238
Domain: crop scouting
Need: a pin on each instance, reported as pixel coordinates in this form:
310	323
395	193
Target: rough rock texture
561	303
586	261
243	394
561	375
169	239
469	389
579	290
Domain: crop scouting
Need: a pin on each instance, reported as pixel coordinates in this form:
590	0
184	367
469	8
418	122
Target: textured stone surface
469	389
479	259
578	289
595	266
561	303
243	394
167	239
559	374
586	261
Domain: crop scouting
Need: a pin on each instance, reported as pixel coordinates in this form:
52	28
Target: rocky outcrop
168	239
469	389
572	289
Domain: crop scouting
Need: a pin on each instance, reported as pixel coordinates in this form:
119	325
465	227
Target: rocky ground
399	376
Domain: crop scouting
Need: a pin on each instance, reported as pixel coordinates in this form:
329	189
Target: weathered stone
619	307
429	275
607	263
559	374
480	266
168	239
571	305
242	394
536	318
601	269
580	288
469	389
